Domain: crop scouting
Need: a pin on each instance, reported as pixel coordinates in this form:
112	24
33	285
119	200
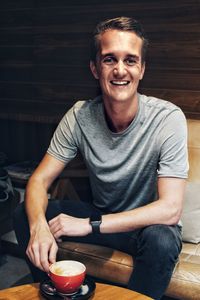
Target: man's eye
108	60
130	61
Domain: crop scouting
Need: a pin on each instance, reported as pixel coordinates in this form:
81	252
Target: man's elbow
175	216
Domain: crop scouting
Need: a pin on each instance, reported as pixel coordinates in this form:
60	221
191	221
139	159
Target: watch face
95	223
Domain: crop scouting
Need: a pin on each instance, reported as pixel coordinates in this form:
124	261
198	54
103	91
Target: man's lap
125	241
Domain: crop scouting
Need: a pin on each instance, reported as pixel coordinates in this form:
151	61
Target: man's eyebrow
107	54
133	56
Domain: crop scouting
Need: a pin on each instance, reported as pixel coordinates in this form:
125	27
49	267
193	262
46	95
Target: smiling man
119	68
135	149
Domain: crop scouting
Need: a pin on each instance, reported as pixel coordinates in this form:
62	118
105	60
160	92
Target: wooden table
102	292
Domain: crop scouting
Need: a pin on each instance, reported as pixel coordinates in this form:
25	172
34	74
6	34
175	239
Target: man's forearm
166	210
154	213
36	200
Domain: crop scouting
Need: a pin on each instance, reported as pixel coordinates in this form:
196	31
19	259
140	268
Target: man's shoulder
158	105
85	106
83	111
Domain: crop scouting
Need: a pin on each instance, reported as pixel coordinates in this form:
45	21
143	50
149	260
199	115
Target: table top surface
102	292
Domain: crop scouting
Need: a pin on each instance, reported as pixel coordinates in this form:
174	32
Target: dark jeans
155	248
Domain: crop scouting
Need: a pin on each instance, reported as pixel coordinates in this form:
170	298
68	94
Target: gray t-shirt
124	167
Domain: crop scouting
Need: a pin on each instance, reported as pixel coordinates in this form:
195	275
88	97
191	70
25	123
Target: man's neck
120	115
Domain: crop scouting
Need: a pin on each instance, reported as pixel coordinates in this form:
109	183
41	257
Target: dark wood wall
44	61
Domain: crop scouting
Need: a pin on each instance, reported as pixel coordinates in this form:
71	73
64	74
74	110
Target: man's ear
93	69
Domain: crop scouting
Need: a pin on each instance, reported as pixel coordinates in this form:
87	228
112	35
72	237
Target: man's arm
166	210
42	247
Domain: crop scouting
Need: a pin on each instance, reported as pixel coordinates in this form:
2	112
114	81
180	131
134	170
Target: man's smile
120	82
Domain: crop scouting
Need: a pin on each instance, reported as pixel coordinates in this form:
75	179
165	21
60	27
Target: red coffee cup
67	275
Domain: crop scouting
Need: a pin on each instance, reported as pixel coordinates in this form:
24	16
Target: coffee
67	275
65	271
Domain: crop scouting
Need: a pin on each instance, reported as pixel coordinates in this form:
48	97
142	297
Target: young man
135	148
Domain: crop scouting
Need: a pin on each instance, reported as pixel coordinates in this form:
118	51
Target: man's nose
120	69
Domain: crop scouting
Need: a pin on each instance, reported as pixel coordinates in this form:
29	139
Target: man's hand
65	225
42	247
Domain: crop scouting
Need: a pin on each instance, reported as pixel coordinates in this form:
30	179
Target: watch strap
95	221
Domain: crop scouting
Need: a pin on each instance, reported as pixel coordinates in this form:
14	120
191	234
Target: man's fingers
58	234
39	255
53	221
52	253
56	229
44	259
34	255
30	254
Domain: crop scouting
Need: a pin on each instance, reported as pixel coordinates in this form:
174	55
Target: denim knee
160	242
158	247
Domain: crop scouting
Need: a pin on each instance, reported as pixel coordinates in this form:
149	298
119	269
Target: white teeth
119	82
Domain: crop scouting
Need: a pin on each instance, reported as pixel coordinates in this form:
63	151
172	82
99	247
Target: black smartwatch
95	221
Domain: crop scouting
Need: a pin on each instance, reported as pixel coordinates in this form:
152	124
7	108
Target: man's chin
119	98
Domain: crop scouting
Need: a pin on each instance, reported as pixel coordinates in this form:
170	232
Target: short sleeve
172	141
63	145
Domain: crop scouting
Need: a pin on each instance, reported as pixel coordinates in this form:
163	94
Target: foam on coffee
69	268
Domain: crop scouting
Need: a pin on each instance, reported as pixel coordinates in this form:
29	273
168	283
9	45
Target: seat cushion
115	266
191	213
101	262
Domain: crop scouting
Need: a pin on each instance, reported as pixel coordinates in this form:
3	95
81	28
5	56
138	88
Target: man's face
119	67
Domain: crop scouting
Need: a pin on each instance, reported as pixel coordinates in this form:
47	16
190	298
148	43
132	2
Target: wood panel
44	56
44	51
22	141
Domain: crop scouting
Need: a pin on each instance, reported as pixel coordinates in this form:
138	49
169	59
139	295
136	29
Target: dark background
44	62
